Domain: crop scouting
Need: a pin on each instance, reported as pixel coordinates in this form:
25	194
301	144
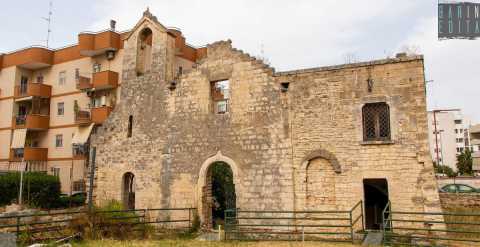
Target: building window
459	140
60	108
59	141
456	131
220	95
40	79
130	126
376	122
62	78
458	121
55	171
97	67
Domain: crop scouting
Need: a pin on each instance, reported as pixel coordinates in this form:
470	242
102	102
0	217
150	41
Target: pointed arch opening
128	190
219	193
144	51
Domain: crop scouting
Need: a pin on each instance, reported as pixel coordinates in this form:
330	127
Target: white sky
294	34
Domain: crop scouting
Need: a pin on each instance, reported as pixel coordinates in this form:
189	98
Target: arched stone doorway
218	189
219	193
128	190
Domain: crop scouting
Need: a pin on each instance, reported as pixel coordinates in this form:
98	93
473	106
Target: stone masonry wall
282	146
465	200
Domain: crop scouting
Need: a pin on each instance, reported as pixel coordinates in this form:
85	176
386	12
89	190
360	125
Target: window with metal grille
376	122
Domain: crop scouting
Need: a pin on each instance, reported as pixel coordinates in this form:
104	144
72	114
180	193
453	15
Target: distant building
475	142
448	135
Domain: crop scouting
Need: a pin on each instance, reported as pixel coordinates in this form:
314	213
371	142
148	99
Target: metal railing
332	225
42	227
429	228
20	120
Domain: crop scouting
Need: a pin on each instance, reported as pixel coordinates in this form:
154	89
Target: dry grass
469	219
196	243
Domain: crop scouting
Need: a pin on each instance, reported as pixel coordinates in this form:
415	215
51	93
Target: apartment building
448	135
475	142
51	100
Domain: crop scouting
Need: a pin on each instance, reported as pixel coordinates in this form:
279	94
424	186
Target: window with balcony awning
19	136
81	135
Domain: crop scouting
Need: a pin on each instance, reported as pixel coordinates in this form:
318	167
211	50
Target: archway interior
376	199
223	191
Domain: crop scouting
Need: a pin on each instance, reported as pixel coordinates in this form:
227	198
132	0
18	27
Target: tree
444	170
464	162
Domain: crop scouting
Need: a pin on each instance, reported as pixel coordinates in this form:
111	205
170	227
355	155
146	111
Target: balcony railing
83	83
34	90
31	121
83	117
100	114
105	80
80	151
29	154
92	44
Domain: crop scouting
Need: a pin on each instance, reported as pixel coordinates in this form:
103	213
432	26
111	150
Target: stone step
373	238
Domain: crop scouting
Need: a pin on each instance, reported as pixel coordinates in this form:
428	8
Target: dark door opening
223	192
129	190
376	199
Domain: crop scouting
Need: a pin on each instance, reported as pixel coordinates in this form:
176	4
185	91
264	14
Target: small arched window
376	122
144	51
130	126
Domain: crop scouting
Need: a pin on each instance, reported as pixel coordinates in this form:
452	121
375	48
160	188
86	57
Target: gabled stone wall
270	137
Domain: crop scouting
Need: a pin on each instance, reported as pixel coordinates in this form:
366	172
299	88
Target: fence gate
334	225
430	229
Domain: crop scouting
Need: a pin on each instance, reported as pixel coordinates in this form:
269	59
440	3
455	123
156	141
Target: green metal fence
332	225
429	229
43	227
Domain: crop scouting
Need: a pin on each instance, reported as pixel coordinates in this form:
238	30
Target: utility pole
21	181
49	20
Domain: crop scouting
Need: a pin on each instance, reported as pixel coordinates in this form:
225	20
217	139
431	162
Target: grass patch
196	243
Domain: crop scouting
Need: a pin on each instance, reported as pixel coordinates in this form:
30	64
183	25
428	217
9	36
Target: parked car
458	188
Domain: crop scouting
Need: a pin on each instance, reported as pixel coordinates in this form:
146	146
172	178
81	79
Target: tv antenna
49	20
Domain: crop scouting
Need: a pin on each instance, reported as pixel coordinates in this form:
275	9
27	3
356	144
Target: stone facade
294	139
460	200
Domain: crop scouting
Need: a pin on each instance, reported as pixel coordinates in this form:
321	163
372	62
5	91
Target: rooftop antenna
49	20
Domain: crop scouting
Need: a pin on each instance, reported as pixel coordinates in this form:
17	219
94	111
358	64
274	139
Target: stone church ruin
312	139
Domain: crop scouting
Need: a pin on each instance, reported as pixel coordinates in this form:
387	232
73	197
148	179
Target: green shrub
118	224
39	189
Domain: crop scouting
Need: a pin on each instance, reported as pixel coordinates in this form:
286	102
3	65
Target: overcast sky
293	34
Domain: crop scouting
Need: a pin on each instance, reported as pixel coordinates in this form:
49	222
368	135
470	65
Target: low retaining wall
472	181
468	200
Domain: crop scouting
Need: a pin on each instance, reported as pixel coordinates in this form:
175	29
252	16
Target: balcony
84	83
29	154
100	114
80	151
33	90
105	80
31	121
93	44
32	58
82	117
